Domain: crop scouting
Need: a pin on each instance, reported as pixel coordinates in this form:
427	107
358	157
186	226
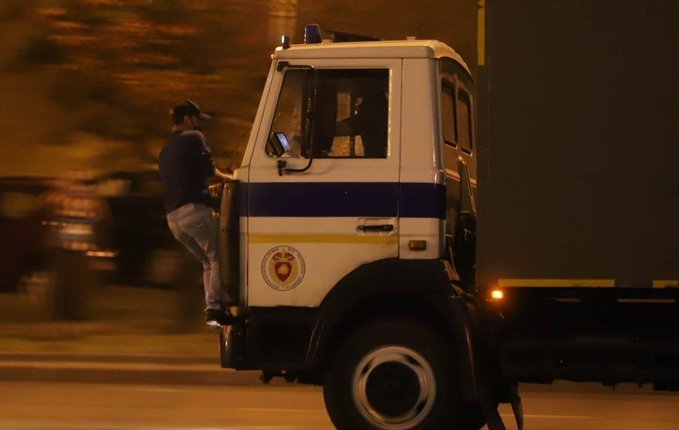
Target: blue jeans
195	227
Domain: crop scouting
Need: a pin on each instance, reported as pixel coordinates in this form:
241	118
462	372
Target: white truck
348	239
358	174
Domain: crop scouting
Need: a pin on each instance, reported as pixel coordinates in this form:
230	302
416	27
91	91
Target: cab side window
352	114
464	120
448	114
333	113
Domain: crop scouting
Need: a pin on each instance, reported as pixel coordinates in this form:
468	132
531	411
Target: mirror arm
281	167
282	163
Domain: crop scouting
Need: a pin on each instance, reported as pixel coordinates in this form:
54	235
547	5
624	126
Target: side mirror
279	143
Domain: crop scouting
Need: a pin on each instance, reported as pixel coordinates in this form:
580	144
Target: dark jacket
185	163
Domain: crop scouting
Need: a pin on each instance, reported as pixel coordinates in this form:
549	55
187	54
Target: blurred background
85	253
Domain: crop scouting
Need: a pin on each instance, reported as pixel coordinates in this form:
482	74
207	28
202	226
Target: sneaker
217	317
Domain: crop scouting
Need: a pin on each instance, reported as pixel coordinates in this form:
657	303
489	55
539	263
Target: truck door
459	157
323	182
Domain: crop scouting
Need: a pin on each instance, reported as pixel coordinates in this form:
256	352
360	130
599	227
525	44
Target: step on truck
349	238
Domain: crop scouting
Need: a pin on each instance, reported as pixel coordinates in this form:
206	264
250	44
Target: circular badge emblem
283	268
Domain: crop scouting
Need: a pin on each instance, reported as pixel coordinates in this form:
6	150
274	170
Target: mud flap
489	407
480	382
517	406
232	346
488	404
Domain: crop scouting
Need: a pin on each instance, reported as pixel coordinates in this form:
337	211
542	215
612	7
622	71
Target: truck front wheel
393	375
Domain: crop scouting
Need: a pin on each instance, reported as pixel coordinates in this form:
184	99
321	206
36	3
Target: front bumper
233	345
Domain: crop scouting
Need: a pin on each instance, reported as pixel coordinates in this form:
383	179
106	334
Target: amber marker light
497	294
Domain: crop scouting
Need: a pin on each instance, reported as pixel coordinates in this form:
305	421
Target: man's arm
220	176
207	164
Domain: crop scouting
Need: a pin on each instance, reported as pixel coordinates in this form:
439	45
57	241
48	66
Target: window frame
461	89
308	98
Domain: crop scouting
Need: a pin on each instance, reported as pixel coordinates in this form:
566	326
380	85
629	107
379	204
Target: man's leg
178	222
202	228
212	275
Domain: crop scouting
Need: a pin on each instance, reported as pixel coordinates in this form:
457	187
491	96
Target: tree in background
112	69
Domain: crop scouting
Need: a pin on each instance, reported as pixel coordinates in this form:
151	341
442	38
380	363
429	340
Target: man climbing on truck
186	165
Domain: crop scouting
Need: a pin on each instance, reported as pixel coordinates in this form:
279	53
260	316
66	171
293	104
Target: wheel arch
412	289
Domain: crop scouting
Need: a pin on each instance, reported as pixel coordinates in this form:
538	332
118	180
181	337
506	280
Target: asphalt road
62	406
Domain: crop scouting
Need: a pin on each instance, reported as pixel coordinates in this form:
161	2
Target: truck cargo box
579	143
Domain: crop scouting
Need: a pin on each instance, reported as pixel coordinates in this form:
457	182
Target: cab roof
372	49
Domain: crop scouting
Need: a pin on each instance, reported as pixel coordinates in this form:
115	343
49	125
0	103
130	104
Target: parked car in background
125	234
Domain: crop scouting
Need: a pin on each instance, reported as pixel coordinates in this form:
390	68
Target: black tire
394	375
472	417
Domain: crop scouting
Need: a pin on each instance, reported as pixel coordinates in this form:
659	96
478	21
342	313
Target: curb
121	369
107	358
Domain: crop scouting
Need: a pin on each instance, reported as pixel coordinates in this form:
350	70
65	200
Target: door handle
376	228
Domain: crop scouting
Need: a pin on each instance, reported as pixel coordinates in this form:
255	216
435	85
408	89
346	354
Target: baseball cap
188	107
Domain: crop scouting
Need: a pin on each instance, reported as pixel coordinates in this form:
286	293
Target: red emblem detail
283	265
283	270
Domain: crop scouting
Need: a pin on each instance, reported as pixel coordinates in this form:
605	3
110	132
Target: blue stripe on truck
346	199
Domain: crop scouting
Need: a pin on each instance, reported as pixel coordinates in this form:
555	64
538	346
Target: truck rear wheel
393	375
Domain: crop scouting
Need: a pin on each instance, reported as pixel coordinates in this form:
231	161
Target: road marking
146	389
568	417
33	425
111	365
292	410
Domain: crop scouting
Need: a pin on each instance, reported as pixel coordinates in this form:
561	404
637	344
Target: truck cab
347	235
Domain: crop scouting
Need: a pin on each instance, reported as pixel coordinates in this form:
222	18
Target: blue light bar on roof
312	33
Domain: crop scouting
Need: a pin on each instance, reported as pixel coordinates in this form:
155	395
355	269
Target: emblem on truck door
283	268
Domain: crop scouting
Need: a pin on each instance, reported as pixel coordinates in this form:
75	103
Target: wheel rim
394	388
